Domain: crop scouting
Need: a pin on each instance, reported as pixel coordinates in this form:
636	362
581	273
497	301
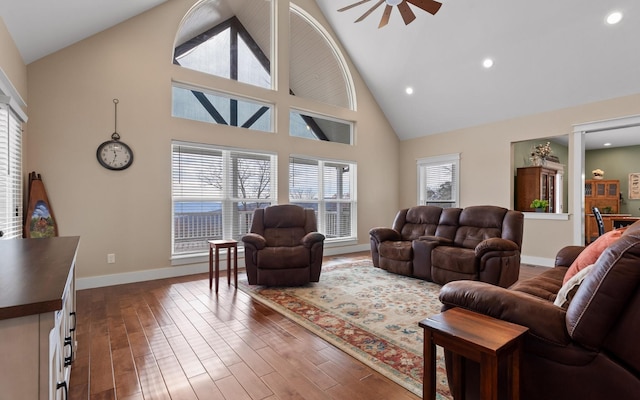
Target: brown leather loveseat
447	244
585	347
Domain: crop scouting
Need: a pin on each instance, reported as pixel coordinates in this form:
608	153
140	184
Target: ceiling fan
407	14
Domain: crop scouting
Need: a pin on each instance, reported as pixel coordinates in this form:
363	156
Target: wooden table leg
228	266
217	267
429	378
488	377
235	265
210	266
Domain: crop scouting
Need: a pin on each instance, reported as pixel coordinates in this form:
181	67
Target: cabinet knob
68	342
63	385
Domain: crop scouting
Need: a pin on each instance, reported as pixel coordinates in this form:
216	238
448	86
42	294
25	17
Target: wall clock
114	154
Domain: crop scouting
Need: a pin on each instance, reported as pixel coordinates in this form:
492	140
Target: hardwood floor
174	339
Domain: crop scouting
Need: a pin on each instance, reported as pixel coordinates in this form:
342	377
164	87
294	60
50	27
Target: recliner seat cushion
455	259
400	250
283	257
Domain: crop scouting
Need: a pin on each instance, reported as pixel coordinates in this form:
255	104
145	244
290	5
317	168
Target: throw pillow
591	253
569	289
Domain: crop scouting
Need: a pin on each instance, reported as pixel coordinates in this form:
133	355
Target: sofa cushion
544	285
591	253
455	259
399	250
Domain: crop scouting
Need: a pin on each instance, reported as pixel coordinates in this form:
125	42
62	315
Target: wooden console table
476	337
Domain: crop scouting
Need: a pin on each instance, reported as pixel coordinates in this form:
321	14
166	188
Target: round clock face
114	155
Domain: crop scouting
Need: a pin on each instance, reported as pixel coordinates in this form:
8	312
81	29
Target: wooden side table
232	247
469	335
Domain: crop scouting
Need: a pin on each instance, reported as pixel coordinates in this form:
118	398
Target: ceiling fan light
393	2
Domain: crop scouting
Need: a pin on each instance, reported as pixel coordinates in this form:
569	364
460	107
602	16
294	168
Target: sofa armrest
495	244
257	241
312	238
384	234
438	239
543	319
567	255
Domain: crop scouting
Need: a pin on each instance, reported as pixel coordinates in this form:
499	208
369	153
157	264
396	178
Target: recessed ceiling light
487	63
409	90
607	144
614	18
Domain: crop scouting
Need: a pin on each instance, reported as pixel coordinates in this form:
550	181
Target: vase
540	209
537	161
598	177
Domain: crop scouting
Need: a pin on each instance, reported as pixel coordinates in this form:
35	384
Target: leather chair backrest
478	223
417	221
604	314
283	225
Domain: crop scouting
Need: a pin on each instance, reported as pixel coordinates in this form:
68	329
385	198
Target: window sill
547	216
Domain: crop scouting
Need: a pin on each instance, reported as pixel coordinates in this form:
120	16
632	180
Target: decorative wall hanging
634	186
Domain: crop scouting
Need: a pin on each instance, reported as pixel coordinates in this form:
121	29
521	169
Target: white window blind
438	180
10	173
214	193
329	188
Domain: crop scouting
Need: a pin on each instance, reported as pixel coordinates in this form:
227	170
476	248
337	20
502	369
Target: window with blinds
439	180
10	173
329	188
214	191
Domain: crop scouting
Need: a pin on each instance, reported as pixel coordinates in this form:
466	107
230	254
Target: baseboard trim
542	261
183	270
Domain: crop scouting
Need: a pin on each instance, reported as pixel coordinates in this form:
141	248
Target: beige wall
128	213
11	61
486	173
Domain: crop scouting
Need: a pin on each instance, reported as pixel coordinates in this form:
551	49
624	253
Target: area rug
368	313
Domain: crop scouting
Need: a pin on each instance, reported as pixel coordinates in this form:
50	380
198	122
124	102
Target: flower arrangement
542	150
597	172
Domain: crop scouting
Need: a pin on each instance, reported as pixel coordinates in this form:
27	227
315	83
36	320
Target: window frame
226	197
11	185
321	201
436	161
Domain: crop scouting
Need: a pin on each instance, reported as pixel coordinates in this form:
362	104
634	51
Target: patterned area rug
368	313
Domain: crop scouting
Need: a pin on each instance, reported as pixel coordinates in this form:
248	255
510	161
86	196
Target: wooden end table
232	247
469	335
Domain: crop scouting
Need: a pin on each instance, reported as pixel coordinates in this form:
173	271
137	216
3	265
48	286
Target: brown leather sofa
283	248
588	350
447	244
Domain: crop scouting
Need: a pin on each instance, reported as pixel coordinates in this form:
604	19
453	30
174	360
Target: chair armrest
439	240
543	319
257	241
495	244
567	255
384	234
311	238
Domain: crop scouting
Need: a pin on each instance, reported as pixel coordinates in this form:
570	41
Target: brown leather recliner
283	248
446	244
588	350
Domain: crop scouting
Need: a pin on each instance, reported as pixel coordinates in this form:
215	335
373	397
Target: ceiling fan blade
385	16
372	9
407	15
353	5
429	6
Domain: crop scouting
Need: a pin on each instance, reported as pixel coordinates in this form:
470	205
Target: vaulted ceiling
547	54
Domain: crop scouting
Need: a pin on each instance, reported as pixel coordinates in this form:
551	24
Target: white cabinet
37	317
